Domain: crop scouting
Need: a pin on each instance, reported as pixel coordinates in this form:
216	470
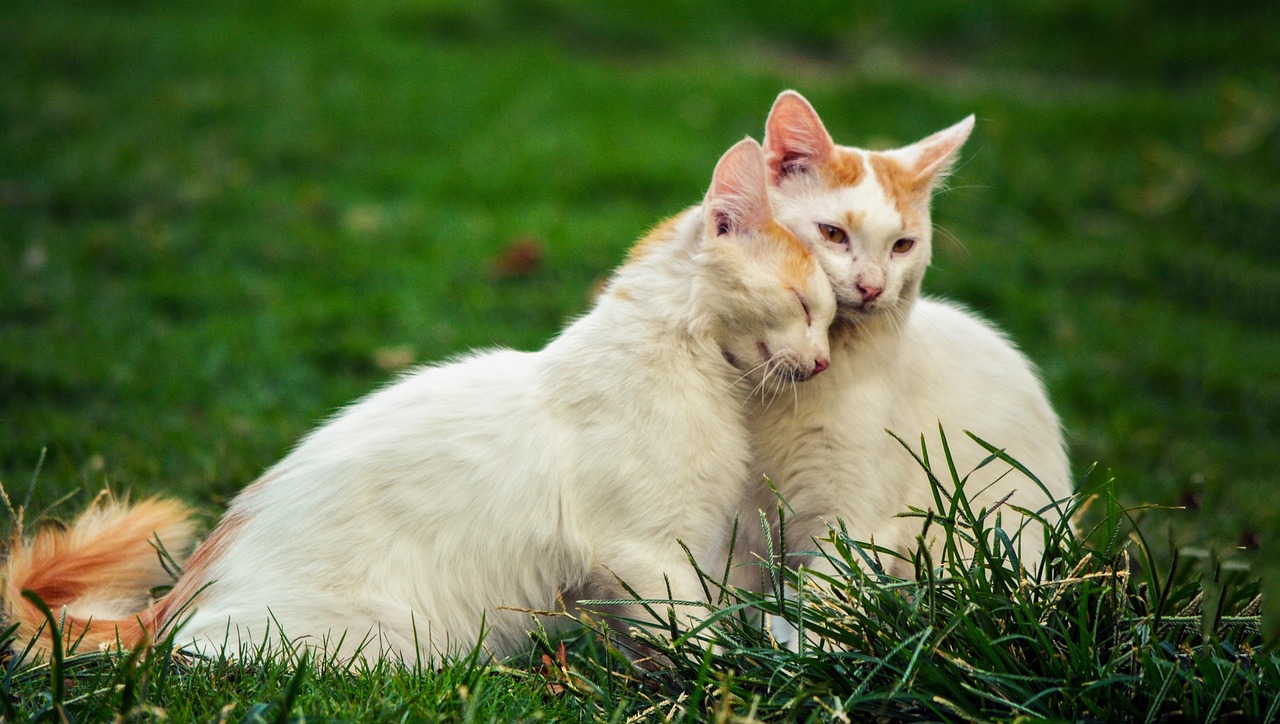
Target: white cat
501	480
899	363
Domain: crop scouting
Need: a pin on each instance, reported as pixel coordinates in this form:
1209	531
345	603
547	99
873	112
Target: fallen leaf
521	257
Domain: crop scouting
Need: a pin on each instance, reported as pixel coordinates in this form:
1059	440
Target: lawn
219	222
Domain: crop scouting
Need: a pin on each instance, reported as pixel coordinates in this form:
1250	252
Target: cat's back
959	359
396	497
968	376
449	398
422	441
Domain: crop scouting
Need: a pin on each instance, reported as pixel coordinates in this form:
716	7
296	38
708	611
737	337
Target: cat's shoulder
946	337
478	371
952	322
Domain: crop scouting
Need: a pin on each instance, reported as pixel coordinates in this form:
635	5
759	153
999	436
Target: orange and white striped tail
95	575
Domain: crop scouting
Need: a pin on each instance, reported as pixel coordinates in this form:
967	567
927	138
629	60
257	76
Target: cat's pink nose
869	294
820	365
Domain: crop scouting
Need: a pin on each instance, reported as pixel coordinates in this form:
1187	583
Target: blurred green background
219	222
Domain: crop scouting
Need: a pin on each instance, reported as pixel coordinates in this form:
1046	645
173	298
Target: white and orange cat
419	516
900	363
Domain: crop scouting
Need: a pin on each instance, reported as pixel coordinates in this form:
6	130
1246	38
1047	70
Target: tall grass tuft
1102	629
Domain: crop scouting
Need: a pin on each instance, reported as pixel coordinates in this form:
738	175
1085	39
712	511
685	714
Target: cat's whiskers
949	236
745	375
859	323
769	383
775	384
897	316
770	380
779	382
759	384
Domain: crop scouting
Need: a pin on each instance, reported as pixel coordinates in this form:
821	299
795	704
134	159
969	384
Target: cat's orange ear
795	141
738	198
931	159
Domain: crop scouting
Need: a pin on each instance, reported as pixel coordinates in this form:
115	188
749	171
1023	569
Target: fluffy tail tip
100	568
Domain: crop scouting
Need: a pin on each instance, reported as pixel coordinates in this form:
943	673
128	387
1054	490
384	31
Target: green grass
96	687
221	221
1095	635
1098	631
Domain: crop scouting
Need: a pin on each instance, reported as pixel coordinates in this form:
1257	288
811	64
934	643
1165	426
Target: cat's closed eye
804	304
902	246
833	234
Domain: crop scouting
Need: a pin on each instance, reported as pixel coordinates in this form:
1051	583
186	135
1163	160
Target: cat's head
864	213
762	293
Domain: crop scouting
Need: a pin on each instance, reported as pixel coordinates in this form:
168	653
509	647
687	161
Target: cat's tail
95	574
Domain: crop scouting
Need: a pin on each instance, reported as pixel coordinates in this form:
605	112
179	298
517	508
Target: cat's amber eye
902	246
833	234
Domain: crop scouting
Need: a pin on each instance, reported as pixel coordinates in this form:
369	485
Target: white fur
831	457
898	365
517	480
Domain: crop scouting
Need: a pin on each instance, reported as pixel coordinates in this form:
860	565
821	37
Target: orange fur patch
107	553
105	549
196	573
96	634
657	236
930	156
903	186
798	261
843	167
853	220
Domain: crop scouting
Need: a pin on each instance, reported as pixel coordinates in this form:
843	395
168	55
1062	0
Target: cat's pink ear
738	198
795	141
933	158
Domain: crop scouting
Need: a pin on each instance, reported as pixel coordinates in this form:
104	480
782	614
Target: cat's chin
859	315
853	310
861	321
